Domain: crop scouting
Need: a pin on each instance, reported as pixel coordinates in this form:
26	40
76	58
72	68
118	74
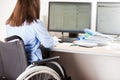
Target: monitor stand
70	38
73	35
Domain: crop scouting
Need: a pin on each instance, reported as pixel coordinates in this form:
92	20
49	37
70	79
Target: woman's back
33	35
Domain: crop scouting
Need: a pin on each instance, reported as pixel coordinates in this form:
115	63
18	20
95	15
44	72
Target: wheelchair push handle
14	37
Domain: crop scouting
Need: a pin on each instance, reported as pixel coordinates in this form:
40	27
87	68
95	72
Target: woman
24	22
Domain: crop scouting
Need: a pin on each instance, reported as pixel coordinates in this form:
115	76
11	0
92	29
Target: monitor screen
69	16
108	17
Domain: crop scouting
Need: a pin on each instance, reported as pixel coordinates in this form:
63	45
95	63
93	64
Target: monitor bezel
74	31
97	17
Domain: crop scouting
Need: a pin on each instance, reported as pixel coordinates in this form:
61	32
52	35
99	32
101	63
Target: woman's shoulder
37	23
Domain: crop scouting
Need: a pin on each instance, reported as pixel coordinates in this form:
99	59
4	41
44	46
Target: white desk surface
110	50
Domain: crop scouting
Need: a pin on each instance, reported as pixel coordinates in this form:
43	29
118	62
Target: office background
6	7
97	65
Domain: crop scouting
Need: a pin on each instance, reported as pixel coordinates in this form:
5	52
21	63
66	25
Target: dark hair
25	10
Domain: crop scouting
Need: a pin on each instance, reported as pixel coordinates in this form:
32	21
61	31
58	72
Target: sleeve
43	35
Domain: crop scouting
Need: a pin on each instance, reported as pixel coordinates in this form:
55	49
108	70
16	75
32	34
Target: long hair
25	10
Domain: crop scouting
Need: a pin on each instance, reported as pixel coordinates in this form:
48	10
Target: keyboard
70	40
116	41
101	41
84	43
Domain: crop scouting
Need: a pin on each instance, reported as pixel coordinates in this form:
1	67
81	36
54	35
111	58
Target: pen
86	46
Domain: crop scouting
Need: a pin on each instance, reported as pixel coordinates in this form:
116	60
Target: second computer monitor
108	17
69	16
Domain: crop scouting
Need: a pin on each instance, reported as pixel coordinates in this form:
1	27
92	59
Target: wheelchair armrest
45	60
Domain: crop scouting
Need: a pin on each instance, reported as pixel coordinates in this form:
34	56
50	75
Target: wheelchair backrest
13	60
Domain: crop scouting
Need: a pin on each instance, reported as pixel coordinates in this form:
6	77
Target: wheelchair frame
48	66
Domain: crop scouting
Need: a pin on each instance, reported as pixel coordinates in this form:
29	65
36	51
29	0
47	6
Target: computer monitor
71	17
108	18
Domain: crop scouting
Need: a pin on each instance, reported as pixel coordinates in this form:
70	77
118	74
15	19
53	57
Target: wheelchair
14	64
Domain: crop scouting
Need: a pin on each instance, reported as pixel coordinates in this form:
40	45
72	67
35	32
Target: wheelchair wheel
39	73
60	67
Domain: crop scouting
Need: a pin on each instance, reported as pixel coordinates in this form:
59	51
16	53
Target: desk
110	50
97	63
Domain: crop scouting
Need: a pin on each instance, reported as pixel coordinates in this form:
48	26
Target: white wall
6	7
